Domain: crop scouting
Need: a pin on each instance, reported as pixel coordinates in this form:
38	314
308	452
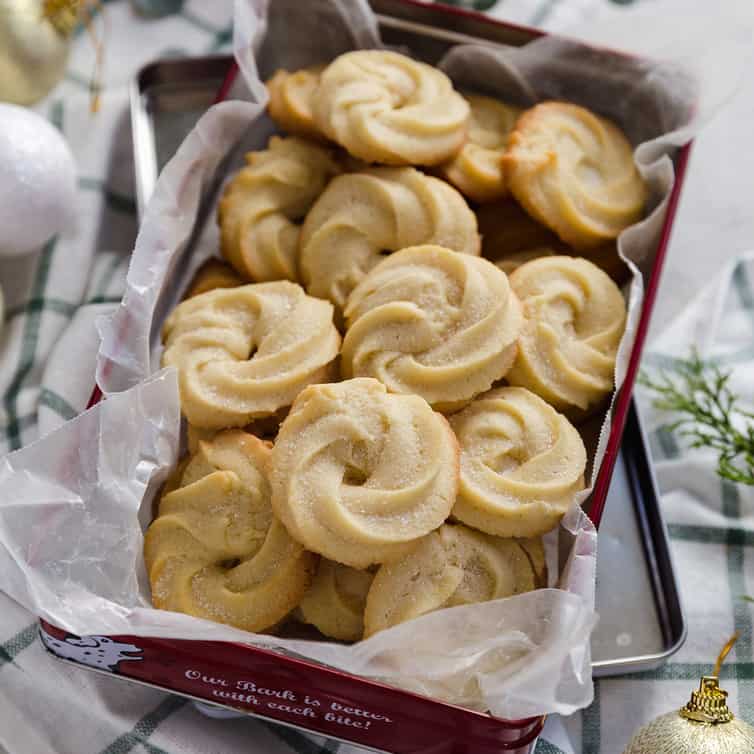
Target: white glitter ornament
37	184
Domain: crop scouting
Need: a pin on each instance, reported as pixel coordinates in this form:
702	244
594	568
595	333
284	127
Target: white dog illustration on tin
98	651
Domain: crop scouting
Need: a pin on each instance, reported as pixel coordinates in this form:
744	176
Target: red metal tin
294	691
623	401
299	692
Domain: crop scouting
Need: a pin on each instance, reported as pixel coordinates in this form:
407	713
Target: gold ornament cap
62	14
704	726
708	704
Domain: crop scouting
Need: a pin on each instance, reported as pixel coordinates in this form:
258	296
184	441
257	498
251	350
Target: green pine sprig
709	414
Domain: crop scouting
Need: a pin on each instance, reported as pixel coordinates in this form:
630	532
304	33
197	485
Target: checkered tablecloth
47	349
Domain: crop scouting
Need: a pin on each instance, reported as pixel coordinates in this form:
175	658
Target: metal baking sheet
641	622
167	99
641	617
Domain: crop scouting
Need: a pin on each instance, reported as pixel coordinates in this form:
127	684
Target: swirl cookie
358	473
535	551
512	262
510	237
574	172
335	601
522	464
385	107
434	323
574	318
260	207
292	98
244	353
506	229
451	566
265	429
215	549
360	217
213	274
477	170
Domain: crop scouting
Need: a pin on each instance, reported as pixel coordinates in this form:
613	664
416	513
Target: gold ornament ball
34	42
673	734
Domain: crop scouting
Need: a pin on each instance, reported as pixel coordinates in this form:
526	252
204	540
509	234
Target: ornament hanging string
724	652
65	15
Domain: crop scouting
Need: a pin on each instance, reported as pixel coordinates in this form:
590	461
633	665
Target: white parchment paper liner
73	506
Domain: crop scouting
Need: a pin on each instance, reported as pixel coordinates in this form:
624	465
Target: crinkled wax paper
73	506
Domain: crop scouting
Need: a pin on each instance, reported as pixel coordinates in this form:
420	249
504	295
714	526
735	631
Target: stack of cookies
382	404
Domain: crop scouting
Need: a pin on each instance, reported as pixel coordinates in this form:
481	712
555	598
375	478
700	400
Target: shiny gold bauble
673	734
34	41
704	726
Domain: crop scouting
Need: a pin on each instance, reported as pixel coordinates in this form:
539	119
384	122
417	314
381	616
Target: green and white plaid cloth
47	351
87	266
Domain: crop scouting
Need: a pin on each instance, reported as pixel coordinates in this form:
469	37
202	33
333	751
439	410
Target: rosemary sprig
709	416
